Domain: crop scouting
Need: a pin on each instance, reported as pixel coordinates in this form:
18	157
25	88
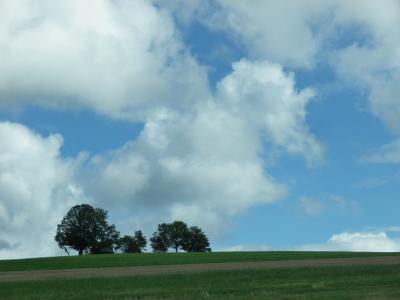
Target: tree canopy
132	244
84	229
196	241
177	235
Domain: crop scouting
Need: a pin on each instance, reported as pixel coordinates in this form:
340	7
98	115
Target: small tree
132	244
85	228
196	241
159	240
140	240
127	244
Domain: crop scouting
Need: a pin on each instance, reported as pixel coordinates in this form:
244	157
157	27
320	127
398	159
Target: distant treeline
86	229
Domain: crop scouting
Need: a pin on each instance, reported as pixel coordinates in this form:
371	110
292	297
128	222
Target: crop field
151	259
306	282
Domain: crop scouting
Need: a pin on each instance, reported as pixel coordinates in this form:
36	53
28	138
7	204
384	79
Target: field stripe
192	268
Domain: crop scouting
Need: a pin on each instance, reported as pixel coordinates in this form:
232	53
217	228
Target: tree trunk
80	252
176	249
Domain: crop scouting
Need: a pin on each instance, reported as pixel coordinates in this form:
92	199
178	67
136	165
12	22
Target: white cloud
198	157
119	58
205	165
374	64
357	241
333	204
389	153
36	188
366	241
245	247
267	97
267	29
359	39
208	170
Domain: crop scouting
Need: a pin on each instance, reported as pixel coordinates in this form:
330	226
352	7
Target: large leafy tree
85	228
196	241
178	235
169	235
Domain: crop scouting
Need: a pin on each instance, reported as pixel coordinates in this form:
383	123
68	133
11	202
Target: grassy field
147	259
358	282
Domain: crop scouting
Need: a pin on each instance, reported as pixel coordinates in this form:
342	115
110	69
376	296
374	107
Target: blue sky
268	130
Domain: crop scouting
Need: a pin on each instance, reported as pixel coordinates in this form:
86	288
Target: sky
269	124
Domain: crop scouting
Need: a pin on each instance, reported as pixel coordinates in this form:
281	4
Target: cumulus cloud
205	165
320	31
202	173
365	241
199	156
358	241
267	97
36	188
368	61
119	58
267	29
371	61
373	64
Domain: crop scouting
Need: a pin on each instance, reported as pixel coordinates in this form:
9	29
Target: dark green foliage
178	235
85	229
132	244
196	241
127	244
171	235
98	249
159	240
140	240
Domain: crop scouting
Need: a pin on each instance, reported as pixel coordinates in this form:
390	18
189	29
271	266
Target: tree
178	235
159	240
85	228
171	235
127	244
140	240
132	244
196	241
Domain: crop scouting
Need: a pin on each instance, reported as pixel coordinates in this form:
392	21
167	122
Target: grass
144	259
356	282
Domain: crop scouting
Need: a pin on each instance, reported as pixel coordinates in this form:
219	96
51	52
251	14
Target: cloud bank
201	154
36	188
358	241
119	58
205	164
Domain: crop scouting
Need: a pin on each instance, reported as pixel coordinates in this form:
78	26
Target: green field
377	282
334	282
148	259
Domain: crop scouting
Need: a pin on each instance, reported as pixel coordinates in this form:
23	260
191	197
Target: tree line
86	229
